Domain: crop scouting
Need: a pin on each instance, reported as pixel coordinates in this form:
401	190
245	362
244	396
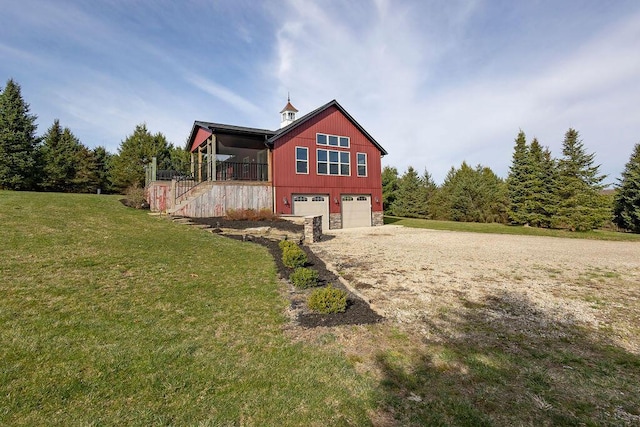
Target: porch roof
224	129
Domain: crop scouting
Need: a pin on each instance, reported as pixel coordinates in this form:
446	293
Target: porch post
154	168
270	165
193	164
208	154
213	157
200	163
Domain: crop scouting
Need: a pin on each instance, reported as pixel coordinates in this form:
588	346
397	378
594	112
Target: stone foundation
335	221
377	218
312	228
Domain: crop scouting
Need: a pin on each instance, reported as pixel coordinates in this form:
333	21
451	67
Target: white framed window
302	160
332	140
300	199
361	160
331	162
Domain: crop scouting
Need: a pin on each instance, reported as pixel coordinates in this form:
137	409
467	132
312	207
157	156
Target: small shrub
264	214
294	257
135	197
286	244
303	278
328	300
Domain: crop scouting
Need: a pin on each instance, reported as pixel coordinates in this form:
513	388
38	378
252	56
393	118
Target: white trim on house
301	161
358	165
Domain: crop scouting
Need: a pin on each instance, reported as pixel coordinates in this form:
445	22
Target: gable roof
270	135
302	120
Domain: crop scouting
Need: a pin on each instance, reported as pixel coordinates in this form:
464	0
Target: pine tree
626	208
179	159
581	206
440	204
519	180
134	153
18	141
103	166
85	179
410	200
389	187
60	157
428	192
472	195
541	201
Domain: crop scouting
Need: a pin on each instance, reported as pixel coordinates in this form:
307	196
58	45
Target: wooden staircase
190	195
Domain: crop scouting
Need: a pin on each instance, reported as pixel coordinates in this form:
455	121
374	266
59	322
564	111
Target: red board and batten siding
287	182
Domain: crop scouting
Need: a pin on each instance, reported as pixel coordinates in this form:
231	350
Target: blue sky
435	82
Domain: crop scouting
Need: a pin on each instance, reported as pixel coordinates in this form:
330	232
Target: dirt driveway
408	275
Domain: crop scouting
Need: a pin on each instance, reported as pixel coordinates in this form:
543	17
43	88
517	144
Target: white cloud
392	75
222	93
9	52
435	83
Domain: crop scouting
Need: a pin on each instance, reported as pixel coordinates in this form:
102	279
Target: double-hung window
362	163
302	160
332	162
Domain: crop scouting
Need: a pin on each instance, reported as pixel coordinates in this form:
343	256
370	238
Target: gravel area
408	275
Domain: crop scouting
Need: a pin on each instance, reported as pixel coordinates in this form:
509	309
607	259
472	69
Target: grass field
494	228
109	316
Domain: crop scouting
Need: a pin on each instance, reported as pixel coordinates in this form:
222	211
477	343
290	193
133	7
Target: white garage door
312	204
356	211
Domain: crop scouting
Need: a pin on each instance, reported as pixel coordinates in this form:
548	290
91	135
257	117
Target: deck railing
227	171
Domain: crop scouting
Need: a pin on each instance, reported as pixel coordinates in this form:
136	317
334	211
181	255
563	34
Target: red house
323	163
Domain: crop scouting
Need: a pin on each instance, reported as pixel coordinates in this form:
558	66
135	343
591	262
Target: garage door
356	211
312	204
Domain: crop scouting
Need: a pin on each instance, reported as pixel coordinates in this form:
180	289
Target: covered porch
230	153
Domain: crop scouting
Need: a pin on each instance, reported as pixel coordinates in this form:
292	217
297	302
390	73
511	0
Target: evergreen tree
103	164
541	203
626	207
519	180
440	203
389	187
473	195
18	141
60	156
85	179
179	159
581	206
410	201
137	150
428	192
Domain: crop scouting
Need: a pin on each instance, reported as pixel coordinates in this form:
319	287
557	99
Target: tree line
58	161
540	191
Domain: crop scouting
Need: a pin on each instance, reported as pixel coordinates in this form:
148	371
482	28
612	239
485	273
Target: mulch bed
358	311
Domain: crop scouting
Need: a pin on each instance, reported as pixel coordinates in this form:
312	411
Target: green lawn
493	228
109	316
